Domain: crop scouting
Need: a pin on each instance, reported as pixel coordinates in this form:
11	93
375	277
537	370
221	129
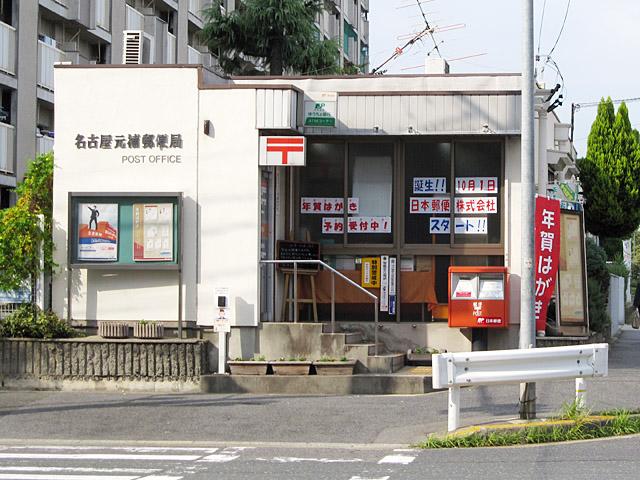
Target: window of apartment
5	106
6	11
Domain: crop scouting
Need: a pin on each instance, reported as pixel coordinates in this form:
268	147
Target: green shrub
612	247
22	324
597	287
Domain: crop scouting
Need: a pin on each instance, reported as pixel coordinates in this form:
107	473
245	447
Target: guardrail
334	272
497	367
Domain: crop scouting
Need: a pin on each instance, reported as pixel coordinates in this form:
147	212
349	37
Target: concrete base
102	385
318	384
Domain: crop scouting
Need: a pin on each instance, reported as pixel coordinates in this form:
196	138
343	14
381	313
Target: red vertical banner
547	255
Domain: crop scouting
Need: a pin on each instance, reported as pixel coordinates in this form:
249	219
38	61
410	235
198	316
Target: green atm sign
320	110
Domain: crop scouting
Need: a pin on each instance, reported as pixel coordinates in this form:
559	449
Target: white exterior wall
122	101
229	179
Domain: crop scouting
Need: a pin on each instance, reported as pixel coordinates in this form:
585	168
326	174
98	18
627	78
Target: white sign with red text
328	206
476	205
477	185
357	225
429	205
282	151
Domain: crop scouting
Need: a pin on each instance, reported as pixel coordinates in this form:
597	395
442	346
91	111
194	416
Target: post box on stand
478	297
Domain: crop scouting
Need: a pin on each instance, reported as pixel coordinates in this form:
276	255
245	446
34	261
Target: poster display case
125	230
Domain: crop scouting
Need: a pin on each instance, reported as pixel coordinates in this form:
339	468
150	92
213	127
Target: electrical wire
566	14
544	7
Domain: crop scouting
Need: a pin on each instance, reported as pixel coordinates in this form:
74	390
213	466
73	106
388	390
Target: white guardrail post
499	367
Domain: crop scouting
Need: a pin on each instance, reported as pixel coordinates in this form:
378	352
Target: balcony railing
103	17
193	55
47	56
44	144
134	20
197	6
7	135
7	48
170	49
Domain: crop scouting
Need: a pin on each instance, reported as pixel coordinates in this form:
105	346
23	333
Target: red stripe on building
285	141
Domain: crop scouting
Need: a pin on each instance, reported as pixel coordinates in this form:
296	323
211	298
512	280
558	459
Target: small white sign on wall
282	151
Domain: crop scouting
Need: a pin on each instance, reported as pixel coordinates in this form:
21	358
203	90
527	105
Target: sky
598	52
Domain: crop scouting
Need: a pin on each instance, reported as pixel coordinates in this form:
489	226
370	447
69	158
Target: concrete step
392	384
362	349
386	363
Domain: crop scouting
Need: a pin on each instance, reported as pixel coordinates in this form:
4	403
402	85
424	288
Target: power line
544	7
566	14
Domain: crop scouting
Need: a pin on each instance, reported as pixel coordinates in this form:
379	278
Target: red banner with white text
547	255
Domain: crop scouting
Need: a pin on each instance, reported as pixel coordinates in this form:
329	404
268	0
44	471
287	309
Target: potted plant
291	366
256	365
145	329
421	355
331	366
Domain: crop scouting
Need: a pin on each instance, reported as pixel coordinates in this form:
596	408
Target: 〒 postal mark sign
282	151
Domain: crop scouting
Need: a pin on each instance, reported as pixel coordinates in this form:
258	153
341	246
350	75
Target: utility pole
527	317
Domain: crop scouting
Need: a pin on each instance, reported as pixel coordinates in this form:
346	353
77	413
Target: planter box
291	367
248	367
148	330
419	359
113	329
335	368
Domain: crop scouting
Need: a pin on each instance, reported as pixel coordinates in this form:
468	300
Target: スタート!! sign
283	151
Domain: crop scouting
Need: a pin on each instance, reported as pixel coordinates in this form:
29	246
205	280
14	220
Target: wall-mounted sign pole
527	317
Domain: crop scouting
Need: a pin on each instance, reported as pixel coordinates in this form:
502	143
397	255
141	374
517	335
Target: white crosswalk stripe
398	459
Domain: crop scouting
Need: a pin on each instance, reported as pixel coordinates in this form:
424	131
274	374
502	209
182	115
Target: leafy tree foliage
610	174
21	235
279	33
597	286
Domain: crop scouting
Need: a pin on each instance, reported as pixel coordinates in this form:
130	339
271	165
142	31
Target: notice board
293	250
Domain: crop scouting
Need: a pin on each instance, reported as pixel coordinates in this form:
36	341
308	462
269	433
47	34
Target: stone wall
96	359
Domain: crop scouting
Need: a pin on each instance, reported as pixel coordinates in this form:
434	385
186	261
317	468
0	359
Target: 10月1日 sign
282	151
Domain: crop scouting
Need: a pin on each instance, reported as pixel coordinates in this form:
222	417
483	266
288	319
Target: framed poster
98	232
152	232
572	284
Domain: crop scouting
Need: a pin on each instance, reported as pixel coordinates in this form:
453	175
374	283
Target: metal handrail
334	272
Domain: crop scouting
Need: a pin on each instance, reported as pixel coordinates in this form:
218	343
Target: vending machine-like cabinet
478	297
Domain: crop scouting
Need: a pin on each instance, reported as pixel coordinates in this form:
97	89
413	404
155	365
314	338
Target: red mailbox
478	297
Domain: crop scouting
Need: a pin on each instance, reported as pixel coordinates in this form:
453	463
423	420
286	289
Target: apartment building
36	34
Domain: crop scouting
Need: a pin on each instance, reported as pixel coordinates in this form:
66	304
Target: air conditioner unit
137	47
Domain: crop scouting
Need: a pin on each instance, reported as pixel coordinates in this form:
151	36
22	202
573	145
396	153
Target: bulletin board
129	231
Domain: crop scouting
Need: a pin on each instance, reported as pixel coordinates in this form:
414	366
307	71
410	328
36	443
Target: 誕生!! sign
547	255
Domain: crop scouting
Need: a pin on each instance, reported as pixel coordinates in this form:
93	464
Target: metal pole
581	390
295	292
222	352
527	317
375	328
333	302
454	409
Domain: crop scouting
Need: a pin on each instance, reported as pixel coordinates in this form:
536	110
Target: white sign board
429	185
471	225
282	151
356	225
321	109
477	185
392	285
384	283
328	206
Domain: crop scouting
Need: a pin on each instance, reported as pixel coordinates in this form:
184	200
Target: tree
280	33
22	239
610	174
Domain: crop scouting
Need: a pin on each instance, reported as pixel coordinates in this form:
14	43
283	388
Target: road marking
400	459
140	449
139	471
367	478
219	458
47	476
96	456
318	460
410	450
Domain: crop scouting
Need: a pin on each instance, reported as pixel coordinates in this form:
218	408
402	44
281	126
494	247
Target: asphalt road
302	436
611	459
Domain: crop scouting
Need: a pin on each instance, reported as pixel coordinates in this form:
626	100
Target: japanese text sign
547	255
282	151
429	205
356	225
464	225
429	185
467	205
328	206
477	185
371	272
476	205
132	141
